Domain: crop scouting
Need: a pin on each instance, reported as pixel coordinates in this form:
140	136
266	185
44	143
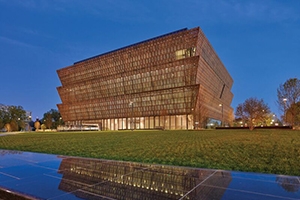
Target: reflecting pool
26	175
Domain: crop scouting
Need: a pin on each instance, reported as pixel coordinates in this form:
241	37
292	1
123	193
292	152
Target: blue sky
258	41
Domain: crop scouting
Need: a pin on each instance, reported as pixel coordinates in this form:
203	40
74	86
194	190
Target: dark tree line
14	118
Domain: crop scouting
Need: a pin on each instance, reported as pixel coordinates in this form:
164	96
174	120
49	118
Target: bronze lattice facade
173	81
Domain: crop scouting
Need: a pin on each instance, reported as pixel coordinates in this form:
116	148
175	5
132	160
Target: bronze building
174	81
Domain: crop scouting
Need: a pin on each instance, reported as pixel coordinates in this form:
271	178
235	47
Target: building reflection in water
100	179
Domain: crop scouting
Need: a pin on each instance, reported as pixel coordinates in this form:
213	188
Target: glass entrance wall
151	122
172	122
169	122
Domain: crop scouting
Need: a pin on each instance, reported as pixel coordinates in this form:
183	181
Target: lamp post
221	105
284	101
131	121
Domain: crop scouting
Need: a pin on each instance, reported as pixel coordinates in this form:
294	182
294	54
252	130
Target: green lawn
267	151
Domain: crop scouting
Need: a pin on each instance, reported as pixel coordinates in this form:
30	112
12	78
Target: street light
284	101
221	105
131	124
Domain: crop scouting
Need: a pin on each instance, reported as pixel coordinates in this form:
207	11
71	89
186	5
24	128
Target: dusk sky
257	41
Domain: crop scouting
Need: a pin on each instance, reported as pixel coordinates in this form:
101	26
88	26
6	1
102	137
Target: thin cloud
16	42
265	11
236	11
39	5
21	3
117	10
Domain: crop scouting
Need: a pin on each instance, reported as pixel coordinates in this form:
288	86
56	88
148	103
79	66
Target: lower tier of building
169	122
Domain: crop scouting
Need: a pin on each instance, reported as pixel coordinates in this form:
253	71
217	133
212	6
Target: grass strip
265	151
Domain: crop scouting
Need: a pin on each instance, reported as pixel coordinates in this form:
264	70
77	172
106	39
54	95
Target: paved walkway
9	133
44	176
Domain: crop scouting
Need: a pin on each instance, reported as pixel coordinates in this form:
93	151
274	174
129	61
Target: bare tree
253	111
288	95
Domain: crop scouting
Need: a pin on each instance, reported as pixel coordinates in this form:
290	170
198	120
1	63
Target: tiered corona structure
174	81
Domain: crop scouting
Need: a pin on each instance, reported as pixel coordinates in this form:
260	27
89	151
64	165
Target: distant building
174	81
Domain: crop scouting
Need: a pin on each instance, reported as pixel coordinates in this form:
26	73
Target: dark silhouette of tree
292	114
288	97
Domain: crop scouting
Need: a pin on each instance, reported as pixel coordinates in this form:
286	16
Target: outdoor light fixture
284	101
221	105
